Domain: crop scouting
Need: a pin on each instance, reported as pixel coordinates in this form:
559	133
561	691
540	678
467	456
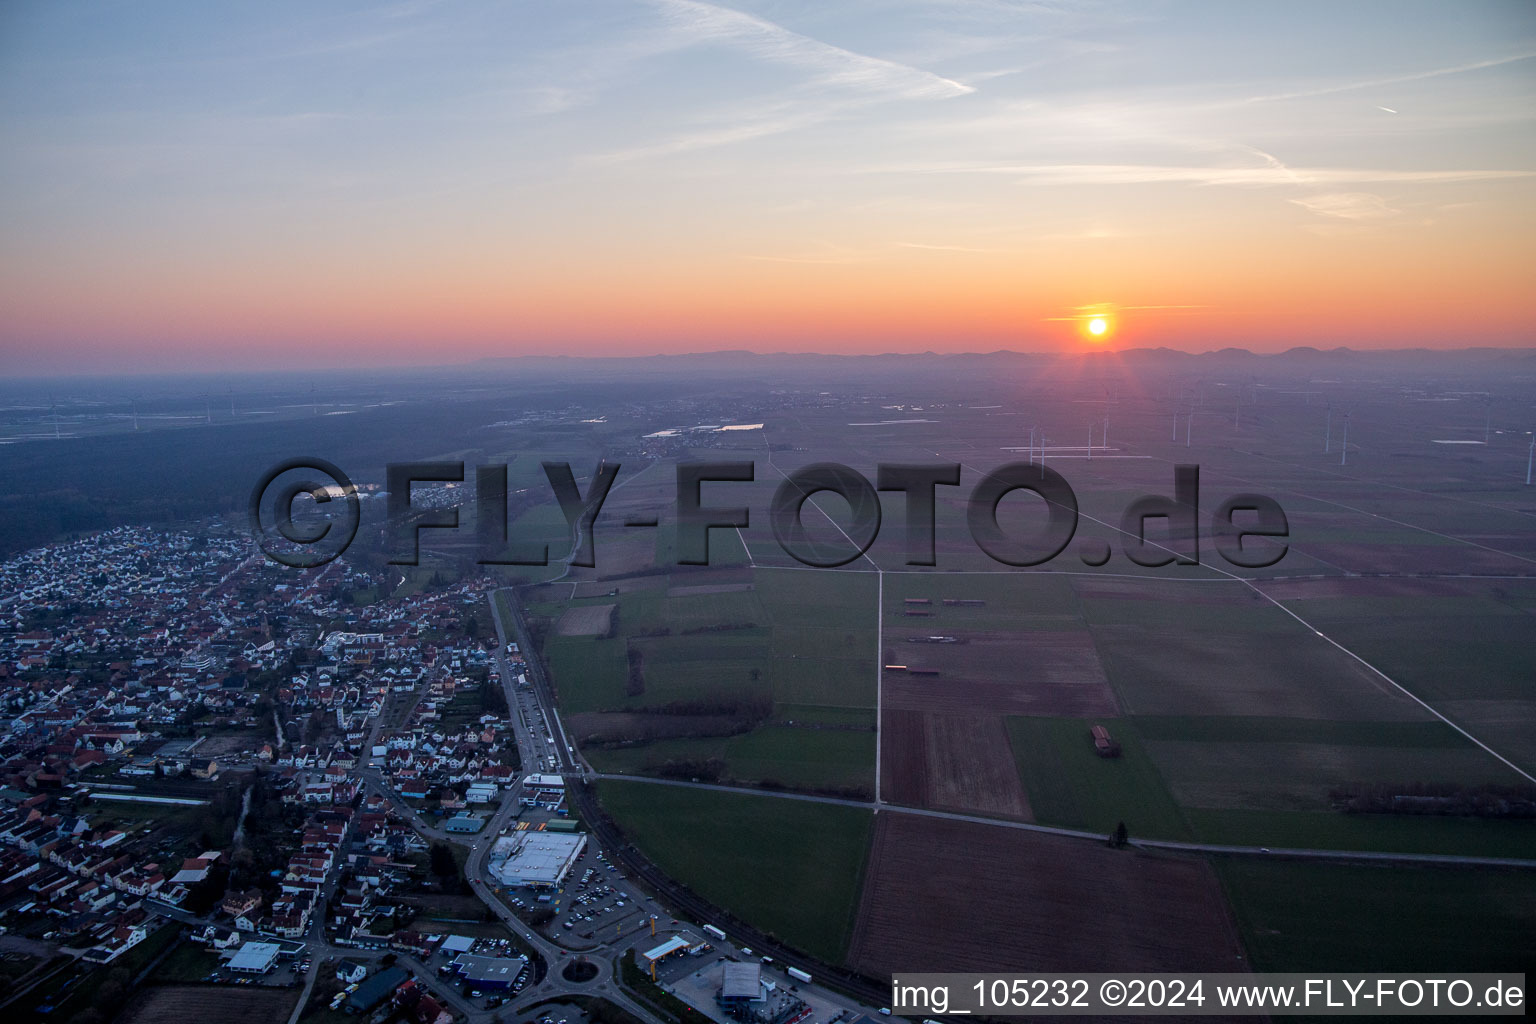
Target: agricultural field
1041	672
770	677
1340	917
951	762
1238	722
952	896
1071	786
789	867
586	620
1220	649
838	760
1468	647
197	1004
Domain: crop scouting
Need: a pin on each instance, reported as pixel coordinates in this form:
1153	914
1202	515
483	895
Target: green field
823	599
794	757
792	868
1229	729
704	667
1072	786
188	962
800	650
1300	776
588	672
821	714
84	985
830	683
1332	830
1337	917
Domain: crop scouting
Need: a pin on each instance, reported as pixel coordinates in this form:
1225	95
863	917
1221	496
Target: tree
441	862
1121	836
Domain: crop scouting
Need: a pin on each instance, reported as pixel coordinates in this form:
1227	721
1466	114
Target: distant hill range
1302	359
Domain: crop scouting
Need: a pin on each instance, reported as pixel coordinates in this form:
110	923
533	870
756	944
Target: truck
710	929
798	975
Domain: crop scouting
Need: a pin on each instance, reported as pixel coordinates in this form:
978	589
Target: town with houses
225	772
142	671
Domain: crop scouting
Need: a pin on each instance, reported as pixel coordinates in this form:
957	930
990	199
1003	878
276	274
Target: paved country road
1150	844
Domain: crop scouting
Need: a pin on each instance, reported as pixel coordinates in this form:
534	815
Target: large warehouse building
539	859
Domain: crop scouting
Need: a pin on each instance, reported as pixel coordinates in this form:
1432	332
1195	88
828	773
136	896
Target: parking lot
533	717
286	973
488	997
696	981
596	903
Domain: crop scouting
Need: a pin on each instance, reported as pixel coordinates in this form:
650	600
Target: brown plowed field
198	1004
586	620
951	762
1035	672
946	895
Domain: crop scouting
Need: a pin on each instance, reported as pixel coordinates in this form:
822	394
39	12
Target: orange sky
676	176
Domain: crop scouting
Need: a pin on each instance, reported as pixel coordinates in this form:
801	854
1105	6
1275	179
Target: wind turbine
1344	446
1177	408
1487	417
1529	455
1328	431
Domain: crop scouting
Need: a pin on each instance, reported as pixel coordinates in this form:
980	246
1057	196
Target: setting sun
1097	326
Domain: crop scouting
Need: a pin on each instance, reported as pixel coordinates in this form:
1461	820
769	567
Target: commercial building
741	983
458	944
464	823
539	859
546	791
376	989
489	972
254	957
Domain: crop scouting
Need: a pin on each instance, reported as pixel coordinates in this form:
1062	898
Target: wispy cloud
1372	83
1137	174
831	65
1356	206
839	80
1080	313
947	248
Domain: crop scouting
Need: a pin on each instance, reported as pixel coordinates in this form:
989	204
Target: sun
1093	324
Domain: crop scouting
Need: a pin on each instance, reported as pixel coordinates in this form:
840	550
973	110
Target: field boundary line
1176	845
1389	680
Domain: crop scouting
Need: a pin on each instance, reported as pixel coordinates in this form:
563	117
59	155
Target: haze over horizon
407	183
